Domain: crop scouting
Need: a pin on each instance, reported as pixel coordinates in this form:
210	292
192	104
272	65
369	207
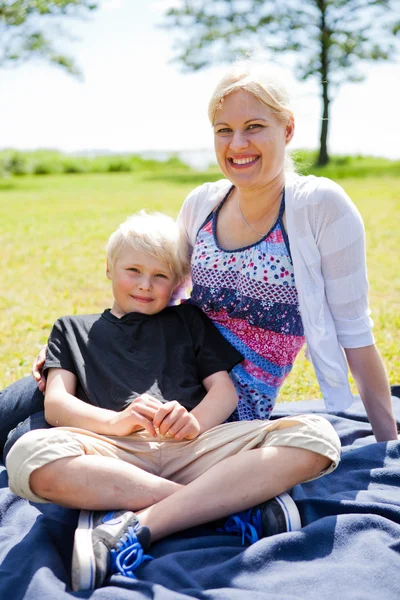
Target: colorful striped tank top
250	295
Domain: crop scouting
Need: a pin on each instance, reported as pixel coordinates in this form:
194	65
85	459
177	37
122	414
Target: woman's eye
255	126
224	130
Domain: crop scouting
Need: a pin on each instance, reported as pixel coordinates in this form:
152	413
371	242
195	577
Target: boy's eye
161	275
134	269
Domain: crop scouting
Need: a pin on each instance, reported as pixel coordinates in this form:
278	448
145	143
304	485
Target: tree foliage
28	29
328	37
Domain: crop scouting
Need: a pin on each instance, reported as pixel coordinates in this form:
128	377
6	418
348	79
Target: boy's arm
218	404
64	409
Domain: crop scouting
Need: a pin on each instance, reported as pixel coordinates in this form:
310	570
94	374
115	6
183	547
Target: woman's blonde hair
155	234
251	78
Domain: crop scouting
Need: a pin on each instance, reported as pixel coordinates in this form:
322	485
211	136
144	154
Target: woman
277	260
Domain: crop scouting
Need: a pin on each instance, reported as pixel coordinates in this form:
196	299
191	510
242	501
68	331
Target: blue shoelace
128	555
247	524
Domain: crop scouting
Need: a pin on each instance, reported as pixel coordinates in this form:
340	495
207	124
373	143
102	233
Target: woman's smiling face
250	140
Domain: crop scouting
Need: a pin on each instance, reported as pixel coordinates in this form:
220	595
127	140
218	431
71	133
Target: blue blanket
349	547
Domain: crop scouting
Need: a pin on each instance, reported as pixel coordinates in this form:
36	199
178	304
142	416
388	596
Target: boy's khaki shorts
181	462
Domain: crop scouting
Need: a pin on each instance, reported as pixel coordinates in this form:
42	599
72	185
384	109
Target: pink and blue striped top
250	295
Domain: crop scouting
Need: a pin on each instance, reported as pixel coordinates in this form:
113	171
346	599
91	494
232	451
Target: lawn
53	232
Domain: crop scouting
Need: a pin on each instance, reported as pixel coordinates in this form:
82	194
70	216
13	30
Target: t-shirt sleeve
58	353
213	352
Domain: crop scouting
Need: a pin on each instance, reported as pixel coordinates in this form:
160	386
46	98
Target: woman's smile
243	162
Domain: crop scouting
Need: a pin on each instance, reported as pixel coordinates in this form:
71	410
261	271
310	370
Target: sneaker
277	515
107	543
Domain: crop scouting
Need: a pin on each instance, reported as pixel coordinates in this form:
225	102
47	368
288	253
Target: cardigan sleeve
340	236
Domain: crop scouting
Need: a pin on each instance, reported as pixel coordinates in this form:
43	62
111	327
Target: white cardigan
326	236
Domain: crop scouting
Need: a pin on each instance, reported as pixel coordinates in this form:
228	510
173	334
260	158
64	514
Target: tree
27	28
329	37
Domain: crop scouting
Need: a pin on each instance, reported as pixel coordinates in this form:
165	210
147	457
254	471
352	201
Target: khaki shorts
181	462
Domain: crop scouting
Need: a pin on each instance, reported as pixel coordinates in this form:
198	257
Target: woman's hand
172	419
139	414
37	369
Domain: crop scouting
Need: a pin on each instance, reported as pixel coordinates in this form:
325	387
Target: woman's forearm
371	379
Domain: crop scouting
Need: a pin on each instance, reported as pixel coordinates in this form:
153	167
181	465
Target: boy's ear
108	270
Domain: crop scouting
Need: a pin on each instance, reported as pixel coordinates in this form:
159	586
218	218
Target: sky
134	99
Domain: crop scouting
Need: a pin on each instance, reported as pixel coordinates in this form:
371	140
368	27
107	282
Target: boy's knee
315	464
315	438
29	462
44	481
306	464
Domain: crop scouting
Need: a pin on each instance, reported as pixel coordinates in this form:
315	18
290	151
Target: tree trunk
323	156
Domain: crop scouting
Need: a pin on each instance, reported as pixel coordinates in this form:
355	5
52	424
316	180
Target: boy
138	395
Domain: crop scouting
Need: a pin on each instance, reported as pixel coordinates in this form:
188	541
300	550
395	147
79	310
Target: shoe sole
290	510
83	560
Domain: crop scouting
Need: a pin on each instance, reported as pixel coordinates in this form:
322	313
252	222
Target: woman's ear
289	131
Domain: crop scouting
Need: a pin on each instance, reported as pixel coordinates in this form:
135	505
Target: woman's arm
63	409
37	369
370	376
340	236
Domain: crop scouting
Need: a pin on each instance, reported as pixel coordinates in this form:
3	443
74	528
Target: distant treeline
49	162
342	166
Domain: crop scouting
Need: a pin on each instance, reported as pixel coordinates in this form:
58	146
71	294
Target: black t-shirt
167	355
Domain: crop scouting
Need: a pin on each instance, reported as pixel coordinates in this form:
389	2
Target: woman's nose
239	141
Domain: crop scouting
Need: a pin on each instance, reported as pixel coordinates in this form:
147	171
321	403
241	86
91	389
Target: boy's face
141	283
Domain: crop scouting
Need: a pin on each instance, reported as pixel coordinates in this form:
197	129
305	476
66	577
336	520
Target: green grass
53	231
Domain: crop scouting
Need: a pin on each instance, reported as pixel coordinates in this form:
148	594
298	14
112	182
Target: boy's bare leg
99	483
235	484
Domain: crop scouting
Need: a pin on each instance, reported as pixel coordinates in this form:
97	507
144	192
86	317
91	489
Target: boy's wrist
106	422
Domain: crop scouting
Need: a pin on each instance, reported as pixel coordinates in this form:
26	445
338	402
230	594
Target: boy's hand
174	420
137	415
37	369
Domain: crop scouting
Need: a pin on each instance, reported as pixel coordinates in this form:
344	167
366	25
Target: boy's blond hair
155	234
